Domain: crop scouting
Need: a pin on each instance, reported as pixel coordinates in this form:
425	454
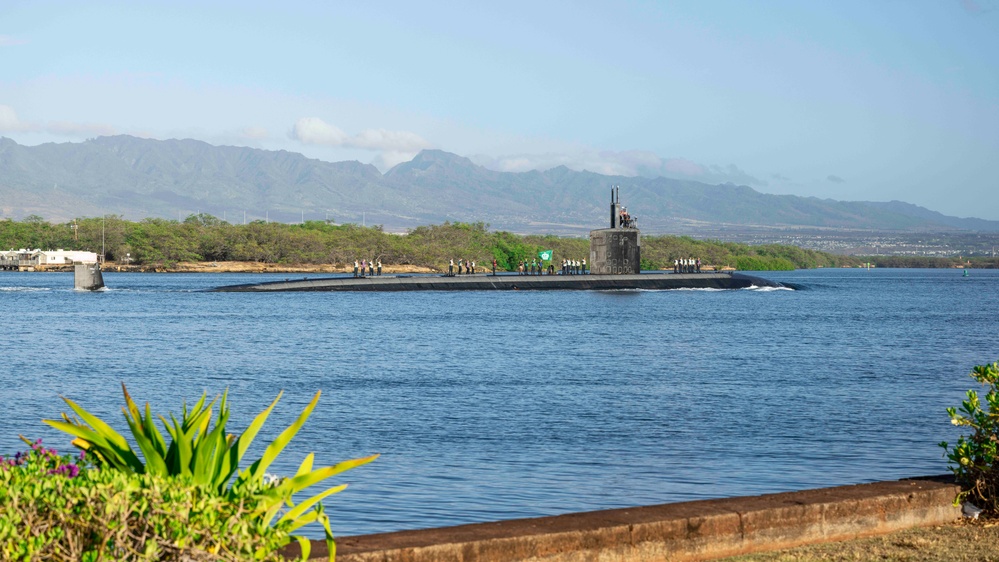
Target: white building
31	258
65	257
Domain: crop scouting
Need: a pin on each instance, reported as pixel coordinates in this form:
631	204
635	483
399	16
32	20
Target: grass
963	541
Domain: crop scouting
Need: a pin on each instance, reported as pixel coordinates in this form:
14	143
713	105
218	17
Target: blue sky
870	100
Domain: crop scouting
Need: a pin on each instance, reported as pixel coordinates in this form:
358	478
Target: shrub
763	263
209	458
973	459
55	510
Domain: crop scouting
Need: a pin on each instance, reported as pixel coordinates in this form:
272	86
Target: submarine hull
509	282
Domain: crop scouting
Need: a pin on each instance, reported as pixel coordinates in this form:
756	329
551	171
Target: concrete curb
699	530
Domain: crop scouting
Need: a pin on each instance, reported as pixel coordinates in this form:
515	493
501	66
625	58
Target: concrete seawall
699	530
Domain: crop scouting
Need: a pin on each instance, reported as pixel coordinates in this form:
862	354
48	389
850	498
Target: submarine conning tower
618	249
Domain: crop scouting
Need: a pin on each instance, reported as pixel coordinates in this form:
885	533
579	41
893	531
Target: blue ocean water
498	405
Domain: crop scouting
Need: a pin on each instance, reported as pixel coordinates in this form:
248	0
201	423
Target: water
498	405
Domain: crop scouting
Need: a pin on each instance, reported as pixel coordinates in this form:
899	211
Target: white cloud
10	123
682	166
630	163
255	133
525	162
313	130
394	147
70	129
731	174
380	139
8	41
390	158
507	164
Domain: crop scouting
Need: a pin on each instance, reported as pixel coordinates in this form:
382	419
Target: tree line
203	237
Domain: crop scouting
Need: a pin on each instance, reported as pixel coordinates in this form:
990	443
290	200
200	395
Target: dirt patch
963	541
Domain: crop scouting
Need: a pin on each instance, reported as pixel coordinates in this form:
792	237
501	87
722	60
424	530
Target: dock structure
511	282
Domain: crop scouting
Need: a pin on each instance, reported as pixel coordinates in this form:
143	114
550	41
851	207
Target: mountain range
138	178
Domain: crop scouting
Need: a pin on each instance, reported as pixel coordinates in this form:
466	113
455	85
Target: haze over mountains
140	178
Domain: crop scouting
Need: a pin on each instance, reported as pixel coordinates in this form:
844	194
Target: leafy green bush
975	459
58	509
207	457
763	263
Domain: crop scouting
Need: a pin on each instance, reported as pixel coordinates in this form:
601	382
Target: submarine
512	282
615	261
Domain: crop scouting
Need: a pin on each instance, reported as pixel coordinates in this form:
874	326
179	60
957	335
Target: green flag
545	255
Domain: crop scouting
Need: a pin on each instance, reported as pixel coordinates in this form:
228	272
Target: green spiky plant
209	456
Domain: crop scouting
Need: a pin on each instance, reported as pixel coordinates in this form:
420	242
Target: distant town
861	242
